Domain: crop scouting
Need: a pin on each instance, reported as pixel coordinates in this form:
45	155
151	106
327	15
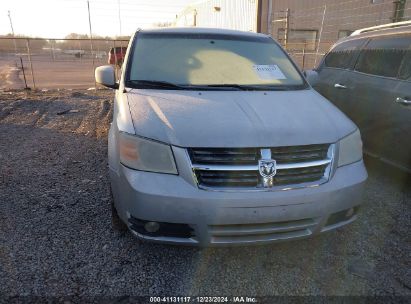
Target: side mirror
312	77
105	75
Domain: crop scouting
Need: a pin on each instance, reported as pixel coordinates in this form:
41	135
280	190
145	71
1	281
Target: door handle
339	86
403	101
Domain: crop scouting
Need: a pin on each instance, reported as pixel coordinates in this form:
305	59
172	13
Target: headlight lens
146	155
350	149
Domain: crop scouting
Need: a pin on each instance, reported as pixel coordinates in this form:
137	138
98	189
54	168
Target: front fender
113	154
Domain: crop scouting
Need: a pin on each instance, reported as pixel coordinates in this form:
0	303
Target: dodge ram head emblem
267	167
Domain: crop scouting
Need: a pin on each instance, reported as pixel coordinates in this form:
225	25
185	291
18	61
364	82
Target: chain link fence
307	29
53	63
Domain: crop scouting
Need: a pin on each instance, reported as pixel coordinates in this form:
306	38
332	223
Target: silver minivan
368	76
218	139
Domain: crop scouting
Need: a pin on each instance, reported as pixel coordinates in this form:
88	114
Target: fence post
287	26
31	64
115	53
319	39
52	50
92	63
305	43
24	74
80	54
91	43
115	59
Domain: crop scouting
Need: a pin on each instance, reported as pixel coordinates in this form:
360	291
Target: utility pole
321	33
119	16
91	40
259	12
269	18
12	31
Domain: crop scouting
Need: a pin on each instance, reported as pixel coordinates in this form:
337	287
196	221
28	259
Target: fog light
152	227
350	213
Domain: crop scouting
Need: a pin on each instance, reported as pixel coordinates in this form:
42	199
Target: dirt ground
56	238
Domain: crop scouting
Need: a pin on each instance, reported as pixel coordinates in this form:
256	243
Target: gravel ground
56	238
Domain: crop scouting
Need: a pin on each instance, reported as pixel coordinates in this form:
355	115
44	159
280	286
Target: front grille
249	156
299	175
224	156
285	155
238	167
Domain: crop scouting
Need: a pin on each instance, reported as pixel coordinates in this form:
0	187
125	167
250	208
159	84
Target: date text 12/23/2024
198	299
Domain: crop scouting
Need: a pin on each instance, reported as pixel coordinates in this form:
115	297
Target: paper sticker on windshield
269	72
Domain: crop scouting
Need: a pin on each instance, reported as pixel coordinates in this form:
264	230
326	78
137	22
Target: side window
344	33
342	55
384	56
302	40
405	70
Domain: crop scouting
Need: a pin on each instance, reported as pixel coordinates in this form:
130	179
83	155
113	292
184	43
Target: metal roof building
226	14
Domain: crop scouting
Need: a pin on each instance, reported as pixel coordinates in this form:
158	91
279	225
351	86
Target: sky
58	18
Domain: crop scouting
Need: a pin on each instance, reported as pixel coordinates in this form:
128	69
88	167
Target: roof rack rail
381	27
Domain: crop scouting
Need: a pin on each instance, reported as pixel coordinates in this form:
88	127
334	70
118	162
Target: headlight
146	155
350	149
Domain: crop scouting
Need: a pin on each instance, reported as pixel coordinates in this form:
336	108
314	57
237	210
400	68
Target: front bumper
235	218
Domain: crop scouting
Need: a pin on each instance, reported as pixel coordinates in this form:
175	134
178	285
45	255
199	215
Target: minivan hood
237	118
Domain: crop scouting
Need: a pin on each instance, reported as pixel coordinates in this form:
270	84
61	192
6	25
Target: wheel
116	223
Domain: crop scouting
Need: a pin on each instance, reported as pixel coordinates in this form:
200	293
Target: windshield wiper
138	83
142	83
155	83
254	87
232	86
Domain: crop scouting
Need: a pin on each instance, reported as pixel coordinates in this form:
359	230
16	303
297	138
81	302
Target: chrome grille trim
233	177
255	167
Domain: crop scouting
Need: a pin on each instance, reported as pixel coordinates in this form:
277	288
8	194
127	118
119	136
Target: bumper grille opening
228	178
261	228
275	236
237	233
165	230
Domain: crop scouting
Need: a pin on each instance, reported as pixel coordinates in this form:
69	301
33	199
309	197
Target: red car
116	55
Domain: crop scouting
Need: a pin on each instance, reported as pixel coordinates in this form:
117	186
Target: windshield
211	60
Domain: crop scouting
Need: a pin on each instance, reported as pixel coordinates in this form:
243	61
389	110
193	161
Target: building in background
307	29
227	14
